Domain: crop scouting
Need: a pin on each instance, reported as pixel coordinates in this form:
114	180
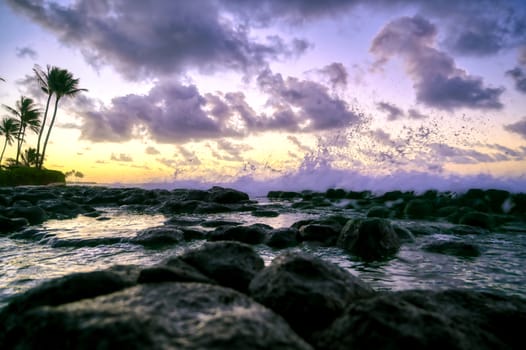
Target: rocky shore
222	296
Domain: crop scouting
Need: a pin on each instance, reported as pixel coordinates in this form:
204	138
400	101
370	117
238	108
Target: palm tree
28	115
46	80
61	83
30	157
9	128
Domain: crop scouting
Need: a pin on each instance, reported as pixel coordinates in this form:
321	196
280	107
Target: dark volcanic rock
283	195
231	264
158	236
226	195
477	219
308	292
65	290
175	270
429	320
155	316
8	225
253	234
462	249
378	212
34	214
418	209
370	239
282	238
327	234
267	213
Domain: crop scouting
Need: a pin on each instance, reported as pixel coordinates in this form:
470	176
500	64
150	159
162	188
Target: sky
292	94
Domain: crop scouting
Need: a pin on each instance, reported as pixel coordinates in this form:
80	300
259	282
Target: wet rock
282	238
283	195
378	212
175	270
177	221
212	208
33	214
307	291
191	234
33	195
65	290
217	223
253	234
226	195
496	199
61	209
8	225
428	320
326	234
265	213
155	316
178	207
231	264
370	239
404	234
461	249
477	219
337	193
418	209
158	236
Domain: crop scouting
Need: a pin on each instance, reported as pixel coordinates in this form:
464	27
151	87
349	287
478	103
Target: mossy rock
477	219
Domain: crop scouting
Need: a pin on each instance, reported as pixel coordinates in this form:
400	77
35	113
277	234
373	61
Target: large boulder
8	225
174	270
369	239
429	320
158	236
282	238
34	214
307	291
68	289
253	234
226	195
154	316
418	209
231	264
326	234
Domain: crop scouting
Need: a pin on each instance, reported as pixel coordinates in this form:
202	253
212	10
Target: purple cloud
393	112
518	127
438	81
22	52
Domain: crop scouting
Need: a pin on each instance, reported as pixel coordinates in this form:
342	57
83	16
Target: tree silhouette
30	157
9	128
61	83
28	115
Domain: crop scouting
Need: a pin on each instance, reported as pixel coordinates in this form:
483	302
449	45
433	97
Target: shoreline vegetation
27	168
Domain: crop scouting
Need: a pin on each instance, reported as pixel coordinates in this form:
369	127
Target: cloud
298	144
230	151
22	52
173	113
189	157
303	105
121	157
437	80
518	127
393	112
519	77
152	150
151	38
336	74
415	114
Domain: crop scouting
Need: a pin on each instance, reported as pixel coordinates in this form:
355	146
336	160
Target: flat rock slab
155	316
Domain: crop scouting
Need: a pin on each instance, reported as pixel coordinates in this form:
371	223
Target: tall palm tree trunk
49	133
3	151
19	146
40	161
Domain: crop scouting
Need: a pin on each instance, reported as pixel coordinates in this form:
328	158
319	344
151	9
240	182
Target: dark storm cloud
438	81
22	52
518	75
143	38
393	112
518	127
